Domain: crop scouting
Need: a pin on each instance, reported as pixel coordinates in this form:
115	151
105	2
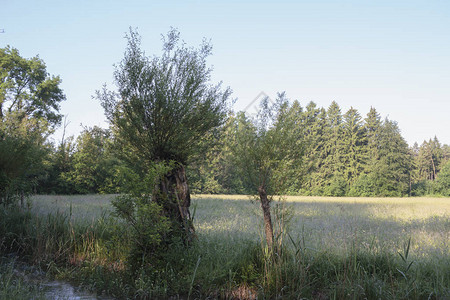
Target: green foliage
355	157
442	183
342	155
268	150
21	161
214	170
164	105
354	141
363	186
318	155
93	163
429	173
149	226
268	154
14	229
387	169
336	253
27	89
29	110
337	186
163	108
88	165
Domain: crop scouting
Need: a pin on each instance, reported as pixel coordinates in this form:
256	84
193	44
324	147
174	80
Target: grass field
79	207
331	223
349	247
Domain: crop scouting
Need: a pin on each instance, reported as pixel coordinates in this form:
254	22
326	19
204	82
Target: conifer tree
313	121
395	161
334	145
372	127
354	140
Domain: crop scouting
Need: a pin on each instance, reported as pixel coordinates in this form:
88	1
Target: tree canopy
165	105
27	90
29	111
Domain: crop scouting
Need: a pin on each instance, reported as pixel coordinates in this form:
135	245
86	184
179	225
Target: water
52	290
59	290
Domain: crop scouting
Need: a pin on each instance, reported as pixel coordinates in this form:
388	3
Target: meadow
323	223
330	248
337	224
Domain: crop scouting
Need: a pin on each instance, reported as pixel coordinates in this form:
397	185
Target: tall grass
340	247
55	243
331	248
336	224
13	286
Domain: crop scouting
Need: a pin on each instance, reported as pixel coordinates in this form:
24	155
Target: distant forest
345	154
320	151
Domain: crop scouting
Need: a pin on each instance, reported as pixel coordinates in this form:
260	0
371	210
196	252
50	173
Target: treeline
342	154
83	165
345	154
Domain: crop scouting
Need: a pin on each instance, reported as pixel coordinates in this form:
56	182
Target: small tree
269	152
162	109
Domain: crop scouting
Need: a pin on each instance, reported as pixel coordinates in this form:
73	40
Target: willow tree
163	107
269	151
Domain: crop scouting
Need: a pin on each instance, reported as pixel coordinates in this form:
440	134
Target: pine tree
429	158
372	127
354	140
392	172
334	144
314	124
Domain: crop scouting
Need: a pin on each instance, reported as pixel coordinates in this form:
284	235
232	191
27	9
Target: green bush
152	232
442	182
149	229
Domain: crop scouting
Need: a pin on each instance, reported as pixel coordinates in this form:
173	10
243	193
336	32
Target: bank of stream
17	277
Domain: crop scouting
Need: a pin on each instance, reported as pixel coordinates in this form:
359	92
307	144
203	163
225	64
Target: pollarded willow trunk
174	197
265	205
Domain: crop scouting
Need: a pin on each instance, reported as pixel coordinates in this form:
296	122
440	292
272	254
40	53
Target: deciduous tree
269	151
29	111
162	109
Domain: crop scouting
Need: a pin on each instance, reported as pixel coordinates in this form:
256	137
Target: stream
59	290
50	289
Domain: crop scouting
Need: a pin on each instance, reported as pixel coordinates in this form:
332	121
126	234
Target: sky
390	55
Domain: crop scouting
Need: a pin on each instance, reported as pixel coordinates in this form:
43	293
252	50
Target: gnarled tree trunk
265	205
174	197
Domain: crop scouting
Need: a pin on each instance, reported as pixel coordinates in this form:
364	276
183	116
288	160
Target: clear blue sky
392	55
